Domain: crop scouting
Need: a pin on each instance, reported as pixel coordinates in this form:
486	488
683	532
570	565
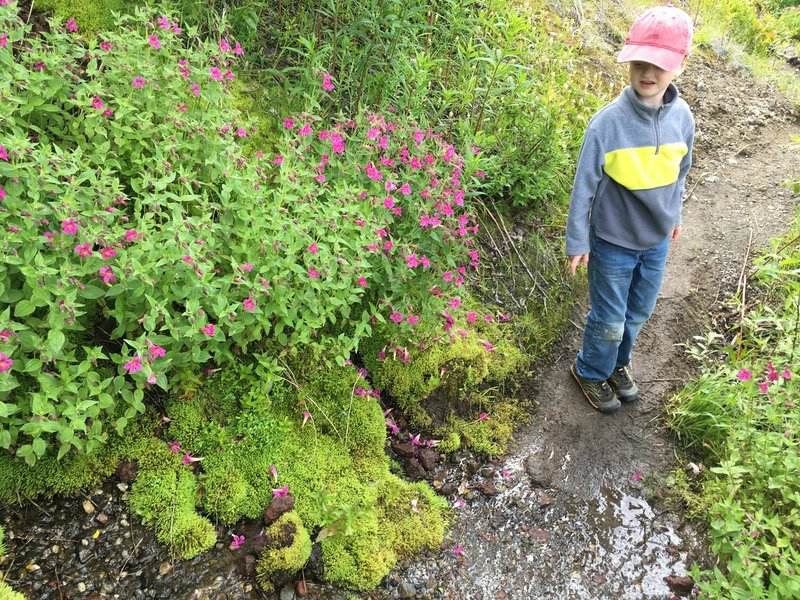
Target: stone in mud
486	487
248	565
287	593
403	449
473	467
541	474
451	487
545	500
126	470
406	590
300	589
428	459
276	508
680	585
413	469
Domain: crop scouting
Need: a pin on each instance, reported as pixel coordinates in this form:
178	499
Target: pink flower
237	541
455	303
415	441
241	132
459	503
174	446
224	46
163	22
108	252
5	335
195	89
71	25
412	261
488	345
305	130
249	305
246	267
274	472
97	103
105	45
157	351
154	41
396	317
208	329
84	250
3	40
3	153
327	85
107	273
405	189
320	178
288	123
483	417
313	248
131	234
278	159
138	82
237	49
313	273
306	417
412	319
68	227
133	365
763	386
636	476
284	491
362	281
188	458
744	375
5	362
392	426
786	375
458	550
215	73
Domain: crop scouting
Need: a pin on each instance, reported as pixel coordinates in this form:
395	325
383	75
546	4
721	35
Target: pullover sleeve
588	175
686	164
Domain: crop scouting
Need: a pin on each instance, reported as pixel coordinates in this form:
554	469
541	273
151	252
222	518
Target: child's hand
582	259
676	233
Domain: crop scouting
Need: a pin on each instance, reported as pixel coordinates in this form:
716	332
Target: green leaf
92	292
24	308
39	447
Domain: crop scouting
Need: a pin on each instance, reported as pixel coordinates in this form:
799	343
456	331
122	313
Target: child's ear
683	65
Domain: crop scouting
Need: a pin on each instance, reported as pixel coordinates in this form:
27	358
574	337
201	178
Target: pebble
287	593
81	587
88	507
406	590
164	568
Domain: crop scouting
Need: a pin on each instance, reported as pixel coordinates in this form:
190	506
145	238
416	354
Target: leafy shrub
741	417
135	220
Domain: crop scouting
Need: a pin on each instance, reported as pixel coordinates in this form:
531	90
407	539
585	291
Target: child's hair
661	36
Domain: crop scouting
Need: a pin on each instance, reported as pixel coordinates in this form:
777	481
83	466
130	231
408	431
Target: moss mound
288	549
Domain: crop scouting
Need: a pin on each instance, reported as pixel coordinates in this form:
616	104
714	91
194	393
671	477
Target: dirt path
573	522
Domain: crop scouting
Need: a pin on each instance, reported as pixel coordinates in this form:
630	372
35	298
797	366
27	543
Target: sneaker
598	393
623	385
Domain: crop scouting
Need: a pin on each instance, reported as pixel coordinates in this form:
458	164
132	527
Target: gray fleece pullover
631	173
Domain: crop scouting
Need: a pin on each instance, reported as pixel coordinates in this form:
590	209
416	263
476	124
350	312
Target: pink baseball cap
661	36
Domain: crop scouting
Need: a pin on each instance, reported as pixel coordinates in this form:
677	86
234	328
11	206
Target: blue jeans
623	287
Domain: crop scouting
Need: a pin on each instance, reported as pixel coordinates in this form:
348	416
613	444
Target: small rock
31	567
413	469
55	549
102	518
88	507
95	596
84	554
540	473
599	579
406	590
249	565
487	472
300	588
277	507
427	459
164	568
404	449
680	585
449	488
126	471
81	587
486	487
122	487
473	467
545	500
287	593
123	523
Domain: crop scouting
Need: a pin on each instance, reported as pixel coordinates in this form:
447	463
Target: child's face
650	82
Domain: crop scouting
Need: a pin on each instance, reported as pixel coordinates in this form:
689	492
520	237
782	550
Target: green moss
361	560
490	437
90	15
226	491
289	551
6	593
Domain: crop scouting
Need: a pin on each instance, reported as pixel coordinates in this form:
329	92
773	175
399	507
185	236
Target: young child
626	202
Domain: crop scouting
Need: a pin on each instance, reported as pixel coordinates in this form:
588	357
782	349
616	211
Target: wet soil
575	510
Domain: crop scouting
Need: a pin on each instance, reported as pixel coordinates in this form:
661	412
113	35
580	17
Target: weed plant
741	418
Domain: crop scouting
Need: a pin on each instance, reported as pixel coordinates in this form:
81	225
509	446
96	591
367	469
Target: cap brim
666	59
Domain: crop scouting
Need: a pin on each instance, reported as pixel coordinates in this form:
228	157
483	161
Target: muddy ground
574	511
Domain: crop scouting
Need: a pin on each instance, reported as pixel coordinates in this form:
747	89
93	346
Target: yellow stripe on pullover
644	168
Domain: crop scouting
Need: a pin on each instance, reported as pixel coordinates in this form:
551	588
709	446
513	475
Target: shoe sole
592	403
